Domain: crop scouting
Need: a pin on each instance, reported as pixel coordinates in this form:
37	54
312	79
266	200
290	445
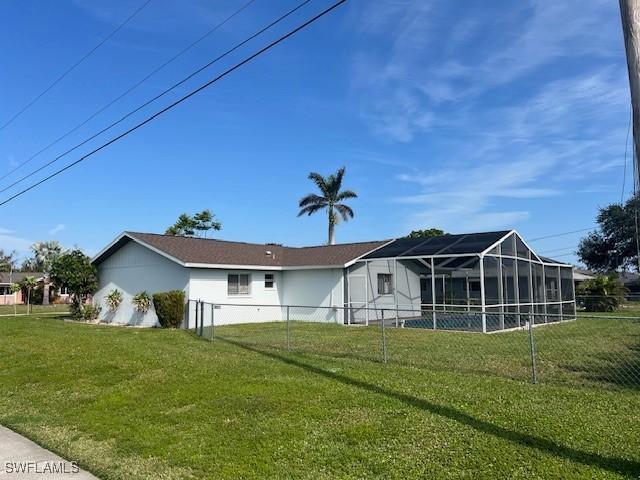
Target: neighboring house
631	282
6	279
221	271
581	275
487	276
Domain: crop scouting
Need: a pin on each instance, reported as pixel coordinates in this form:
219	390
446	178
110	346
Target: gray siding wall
131	269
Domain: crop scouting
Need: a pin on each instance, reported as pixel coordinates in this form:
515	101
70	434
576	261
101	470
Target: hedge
169	308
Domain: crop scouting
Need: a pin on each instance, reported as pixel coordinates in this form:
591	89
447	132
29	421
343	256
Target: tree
205	221
601	294
187	225
75	271
613	245
426	233
7	264
44	254
14	288
7	261
29	283
331	200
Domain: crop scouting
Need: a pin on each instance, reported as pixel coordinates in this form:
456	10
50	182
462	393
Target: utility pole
630	13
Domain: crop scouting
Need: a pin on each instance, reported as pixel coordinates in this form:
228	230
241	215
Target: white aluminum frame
484	308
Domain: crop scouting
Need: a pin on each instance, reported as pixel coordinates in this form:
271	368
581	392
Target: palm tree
331	199
29	283
44	254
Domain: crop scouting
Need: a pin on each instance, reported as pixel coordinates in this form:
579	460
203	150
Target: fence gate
357	286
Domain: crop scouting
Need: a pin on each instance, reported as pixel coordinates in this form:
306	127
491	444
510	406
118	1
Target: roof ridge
348	243
206	239
128	232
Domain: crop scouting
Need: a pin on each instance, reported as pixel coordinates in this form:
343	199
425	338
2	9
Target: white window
64	291
269	280
238	284
384	284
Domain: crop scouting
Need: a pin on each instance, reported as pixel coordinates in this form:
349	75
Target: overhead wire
74	66
130	89
159	95
179	101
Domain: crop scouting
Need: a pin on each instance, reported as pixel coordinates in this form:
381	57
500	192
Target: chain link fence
585	350
24	310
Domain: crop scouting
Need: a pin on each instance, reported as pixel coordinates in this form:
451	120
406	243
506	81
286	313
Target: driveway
22	459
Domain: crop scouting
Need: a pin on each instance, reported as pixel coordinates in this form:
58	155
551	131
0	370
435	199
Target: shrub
75	310
91	312
169	308
114	299
86	312
141	301
601	294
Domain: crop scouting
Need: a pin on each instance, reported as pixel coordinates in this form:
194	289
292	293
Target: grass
35	309
150	403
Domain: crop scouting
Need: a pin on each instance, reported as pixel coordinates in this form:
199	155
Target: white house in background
225	272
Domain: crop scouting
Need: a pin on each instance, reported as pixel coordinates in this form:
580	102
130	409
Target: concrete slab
22	459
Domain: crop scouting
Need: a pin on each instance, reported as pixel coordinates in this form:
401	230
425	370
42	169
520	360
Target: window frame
381	282
238	293
272	281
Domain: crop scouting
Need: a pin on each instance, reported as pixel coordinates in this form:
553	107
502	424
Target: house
6	279
482	281
581	275
221	271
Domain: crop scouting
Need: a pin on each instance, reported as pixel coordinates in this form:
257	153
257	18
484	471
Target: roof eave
132	237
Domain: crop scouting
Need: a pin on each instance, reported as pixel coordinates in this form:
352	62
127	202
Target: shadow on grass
612	464
620	370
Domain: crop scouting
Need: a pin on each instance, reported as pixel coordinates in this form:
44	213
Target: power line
129	90
180	100
161	94
624	171
73	67
565	254
558	249
561	234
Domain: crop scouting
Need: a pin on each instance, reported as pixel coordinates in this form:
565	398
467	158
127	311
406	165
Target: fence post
213	323
532	350
288	332
197	307
201	318
384	340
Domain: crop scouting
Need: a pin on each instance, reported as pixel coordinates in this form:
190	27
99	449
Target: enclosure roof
202	252
467	243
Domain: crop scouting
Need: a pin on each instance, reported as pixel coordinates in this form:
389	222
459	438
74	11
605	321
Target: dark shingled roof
223	252
17	277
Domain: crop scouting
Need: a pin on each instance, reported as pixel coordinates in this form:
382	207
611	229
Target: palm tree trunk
45	292
332	233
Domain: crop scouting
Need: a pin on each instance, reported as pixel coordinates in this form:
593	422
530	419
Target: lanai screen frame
562	308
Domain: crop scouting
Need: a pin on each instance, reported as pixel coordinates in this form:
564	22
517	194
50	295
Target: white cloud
433	66
57	229
570	130
9	242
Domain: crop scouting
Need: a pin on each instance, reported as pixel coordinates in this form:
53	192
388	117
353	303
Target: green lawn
22	309
150	403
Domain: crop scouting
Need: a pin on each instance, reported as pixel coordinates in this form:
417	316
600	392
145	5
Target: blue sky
466	116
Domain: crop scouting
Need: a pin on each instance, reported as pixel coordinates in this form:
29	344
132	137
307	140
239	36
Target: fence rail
21	310
587	349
